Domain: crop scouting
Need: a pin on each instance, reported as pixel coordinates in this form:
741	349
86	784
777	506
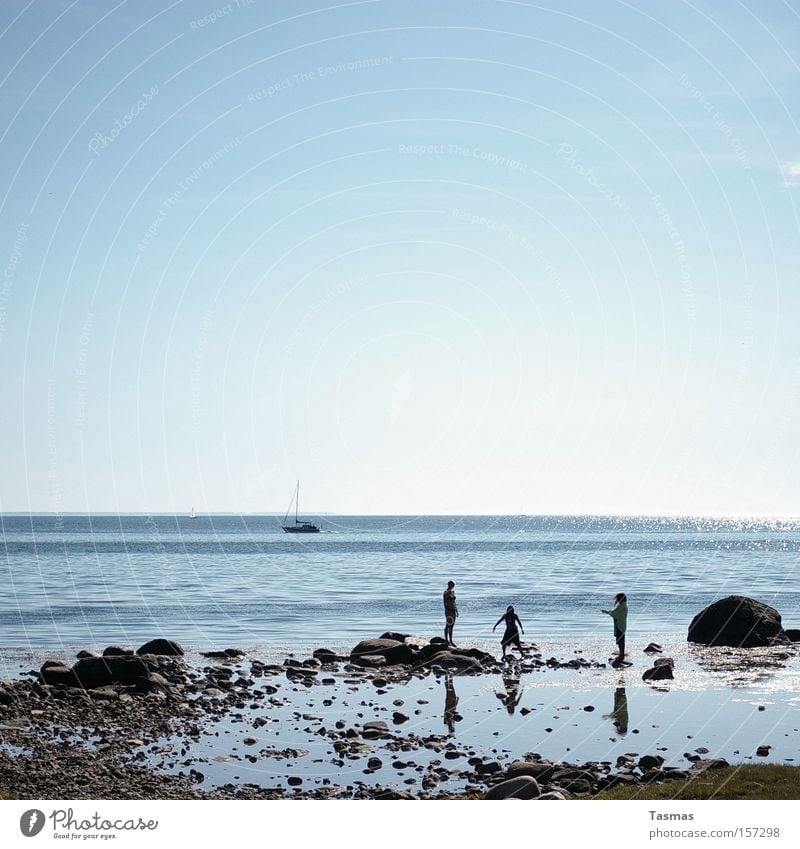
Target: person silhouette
511	634
450	611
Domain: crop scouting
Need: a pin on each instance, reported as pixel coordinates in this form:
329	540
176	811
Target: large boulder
737	621
58	674
523	787
392	650
166	647
92	672
540	770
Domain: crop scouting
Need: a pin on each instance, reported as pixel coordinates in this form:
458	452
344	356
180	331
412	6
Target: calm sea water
217	581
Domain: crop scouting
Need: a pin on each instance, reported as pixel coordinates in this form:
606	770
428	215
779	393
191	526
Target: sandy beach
249	726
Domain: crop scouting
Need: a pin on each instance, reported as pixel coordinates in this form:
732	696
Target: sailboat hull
301	529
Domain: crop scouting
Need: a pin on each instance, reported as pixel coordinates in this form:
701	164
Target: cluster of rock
117	666
404	650
535	778
740	622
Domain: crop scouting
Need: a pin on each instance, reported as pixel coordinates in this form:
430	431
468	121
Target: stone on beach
540	770
116	651
737	621
653	648
661	671
393	651
522	787
162	647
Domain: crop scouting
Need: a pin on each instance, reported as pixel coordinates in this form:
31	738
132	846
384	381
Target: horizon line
318	514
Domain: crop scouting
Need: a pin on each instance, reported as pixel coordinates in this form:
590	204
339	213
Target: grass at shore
752	781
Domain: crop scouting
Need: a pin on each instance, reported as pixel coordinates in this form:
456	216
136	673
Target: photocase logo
31	822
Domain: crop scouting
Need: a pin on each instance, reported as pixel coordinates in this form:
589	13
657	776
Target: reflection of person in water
512	695
619	715
450	702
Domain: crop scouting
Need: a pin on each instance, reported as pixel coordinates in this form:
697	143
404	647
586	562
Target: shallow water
563	715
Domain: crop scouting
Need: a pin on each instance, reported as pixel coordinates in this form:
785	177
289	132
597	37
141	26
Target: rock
674	774
393	793
393	651
325	655
394	635
523	787
86	653
793	634
551	796
94	672
649	762
398	717
376	724
58	674
372	660
374	763
454	660
488	767
709	763
652	775
540	770
169	648
589	708
477	654
661	671
426	653
117	651
737	621
763	751
653	648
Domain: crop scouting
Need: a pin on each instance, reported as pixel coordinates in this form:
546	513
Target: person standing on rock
511	635
619	613
450	611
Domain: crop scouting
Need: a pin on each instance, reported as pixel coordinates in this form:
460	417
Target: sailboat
192	514
298	527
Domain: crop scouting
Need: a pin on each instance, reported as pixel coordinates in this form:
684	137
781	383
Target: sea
85	582
238	580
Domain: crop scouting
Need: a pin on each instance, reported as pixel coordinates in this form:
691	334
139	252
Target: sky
456	257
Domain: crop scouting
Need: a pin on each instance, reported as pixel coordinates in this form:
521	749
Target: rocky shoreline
122	724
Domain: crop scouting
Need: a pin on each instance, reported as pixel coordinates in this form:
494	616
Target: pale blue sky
455	257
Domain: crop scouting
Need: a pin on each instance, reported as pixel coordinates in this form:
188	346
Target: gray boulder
737	621
166	647
523	787
393	651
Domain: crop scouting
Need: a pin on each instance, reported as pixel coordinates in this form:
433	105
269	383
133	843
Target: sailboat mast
297	502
